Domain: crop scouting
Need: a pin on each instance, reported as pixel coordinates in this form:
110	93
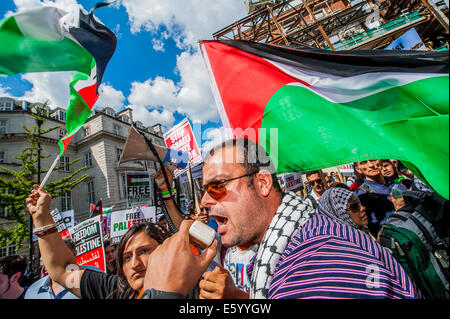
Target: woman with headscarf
342	204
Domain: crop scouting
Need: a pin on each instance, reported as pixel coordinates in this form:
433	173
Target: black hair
154	231
308	174
13	264
255	158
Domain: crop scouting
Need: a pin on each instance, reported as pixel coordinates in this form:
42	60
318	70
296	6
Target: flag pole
49	172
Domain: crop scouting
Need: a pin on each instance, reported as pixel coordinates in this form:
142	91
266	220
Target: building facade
98	145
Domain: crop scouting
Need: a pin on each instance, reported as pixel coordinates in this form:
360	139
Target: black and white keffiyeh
289	217
333	203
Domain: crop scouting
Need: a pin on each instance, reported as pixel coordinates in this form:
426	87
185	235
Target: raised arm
175	216
58	259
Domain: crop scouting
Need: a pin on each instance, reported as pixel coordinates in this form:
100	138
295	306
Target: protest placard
88	240
59	221
68	218
410	40
122	220
197	172
292	181
181	138
347	169
63	220
139	190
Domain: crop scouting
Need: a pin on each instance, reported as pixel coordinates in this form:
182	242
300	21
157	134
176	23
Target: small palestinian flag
96	209
48	39
313	108
136	179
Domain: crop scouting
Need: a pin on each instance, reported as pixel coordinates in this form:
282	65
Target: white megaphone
138	148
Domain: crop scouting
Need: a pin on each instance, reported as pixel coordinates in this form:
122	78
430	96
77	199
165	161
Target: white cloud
158	45
213	137
48	86
110	97
191	96
186	22
150	118
4	91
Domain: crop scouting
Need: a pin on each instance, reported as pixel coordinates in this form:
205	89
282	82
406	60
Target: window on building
64	161
2	157
2	126
66	201
117	129
62	133
8	250
91	193
109	112
4	210
125	119
62	116
86	131
88	159
6	106
118	153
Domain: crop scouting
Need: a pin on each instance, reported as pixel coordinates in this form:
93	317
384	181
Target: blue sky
156	70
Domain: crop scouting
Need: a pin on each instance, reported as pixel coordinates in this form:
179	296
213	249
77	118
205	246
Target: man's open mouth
221	222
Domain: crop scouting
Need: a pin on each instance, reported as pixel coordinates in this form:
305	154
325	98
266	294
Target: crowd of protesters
321	242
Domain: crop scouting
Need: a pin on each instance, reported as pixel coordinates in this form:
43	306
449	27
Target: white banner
292	181
122	220
181	138
197	172
348	168
139	191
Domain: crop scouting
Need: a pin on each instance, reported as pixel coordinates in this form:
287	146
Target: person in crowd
46	288
342	205
317	185
12	270
350	180
110	256
334	177
338	184
233	259
390	174
230	281
162	221
328	180
359	178
407	202
131	257
374	194
296	245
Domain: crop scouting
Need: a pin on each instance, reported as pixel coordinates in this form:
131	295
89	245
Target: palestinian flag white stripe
346	89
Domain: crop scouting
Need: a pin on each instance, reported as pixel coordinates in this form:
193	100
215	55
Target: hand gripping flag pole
49	171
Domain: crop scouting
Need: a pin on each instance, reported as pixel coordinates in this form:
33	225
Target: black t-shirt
98	285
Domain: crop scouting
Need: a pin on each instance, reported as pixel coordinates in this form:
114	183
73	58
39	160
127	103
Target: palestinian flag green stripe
21	54
314	108
139	183
48	39
369	126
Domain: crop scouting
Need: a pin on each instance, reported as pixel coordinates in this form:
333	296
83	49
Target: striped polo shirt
328	259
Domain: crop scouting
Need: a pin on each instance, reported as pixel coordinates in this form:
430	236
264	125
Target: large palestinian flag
46	39
314	108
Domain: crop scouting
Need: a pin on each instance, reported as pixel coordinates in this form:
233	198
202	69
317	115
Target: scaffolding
340	24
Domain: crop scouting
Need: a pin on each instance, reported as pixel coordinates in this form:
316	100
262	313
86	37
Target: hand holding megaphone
159	179
138	148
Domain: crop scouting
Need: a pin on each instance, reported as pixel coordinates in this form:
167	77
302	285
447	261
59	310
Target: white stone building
99	145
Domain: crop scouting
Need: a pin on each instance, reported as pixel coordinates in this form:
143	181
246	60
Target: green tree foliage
16	185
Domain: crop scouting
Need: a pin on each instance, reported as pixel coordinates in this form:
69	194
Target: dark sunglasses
217	189
318	181
355	205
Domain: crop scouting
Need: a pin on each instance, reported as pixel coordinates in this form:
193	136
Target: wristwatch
158	294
